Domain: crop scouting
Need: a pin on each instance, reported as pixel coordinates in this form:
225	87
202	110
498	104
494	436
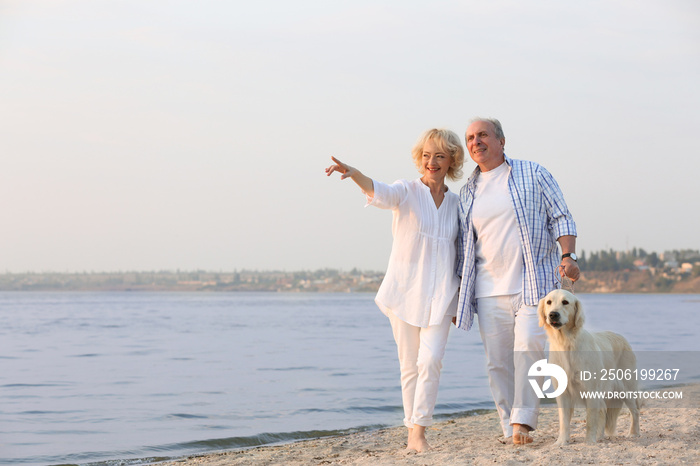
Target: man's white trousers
513	341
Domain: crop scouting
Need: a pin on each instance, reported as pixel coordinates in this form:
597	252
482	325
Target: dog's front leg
566	410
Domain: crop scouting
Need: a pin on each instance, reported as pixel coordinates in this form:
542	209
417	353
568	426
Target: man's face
484	147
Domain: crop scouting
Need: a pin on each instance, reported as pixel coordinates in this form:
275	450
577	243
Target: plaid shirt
542	218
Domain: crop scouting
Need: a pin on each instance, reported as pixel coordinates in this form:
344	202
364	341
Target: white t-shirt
420	285
499	254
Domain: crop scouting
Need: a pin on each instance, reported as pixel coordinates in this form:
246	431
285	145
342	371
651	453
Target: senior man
511	215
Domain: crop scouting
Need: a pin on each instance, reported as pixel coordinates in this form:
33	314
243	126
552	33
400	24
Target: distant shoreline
323	280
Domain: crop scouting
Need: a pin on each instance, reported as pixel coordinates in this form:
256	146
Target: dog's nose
554	316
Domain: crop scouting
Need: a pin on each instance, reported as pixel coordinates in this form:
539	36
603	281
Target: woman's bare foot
521	434
416	439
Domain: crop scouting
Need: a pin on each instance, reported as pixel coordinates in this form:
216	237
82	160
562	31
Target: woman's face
435	161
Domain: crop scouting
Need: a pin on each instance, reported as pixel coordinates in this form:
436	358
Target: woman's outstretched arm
364	182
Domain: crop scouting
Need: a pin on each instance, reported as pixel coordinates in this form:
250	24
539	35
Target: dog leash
565	283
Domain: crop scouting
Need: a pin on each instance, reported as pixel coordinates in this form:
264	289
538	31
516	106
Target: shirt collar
420	182
477	170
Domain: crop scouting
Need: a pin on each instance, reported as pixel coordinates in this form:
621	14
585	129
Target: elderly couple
490	251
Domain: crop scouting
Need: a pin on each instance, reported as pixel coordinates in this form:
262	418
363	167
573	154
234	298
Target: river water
128	378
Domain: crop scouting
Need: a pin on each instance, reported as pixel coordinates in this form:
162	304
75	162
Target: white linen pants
513	341
420	357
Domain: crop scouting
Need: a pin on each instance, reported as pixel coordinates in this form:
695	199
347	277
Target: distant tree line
612	260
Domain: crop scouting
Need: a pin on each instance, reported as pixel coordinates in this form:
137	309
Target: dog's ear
540	312
579	319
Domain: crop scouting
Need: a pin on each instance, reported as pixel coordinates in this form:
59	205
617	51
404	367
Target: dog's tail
611	415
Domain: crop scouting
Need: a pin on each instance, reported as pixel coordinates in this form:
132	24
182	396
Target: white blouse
420	285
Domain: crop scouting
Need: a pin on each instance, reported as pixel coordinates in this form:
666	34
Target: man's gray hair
496	124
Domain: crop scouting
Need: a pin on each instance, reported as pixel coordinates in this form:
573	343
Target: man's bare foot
521	434
416	439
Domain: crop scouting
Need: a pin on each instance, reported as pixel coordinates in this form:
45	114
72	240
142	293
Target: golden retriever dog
594	362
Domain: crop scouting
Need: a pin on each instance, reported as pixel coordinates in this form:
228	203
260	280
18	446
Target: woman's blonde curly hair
447	141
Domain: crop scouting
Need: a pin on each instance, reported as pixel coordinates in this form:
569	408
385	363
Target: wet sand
669	435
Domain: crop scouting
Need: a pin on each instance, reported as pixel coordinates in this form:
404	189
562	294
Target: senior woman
419	291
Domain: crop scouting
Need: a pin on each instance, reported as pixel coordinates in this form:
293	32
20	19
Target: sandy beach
669	435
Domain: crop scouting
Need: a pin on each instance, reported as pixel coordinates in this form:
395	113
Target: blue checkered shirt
542	217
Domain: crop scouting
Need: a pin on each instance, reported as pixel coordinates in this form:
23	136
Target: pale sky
163	135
